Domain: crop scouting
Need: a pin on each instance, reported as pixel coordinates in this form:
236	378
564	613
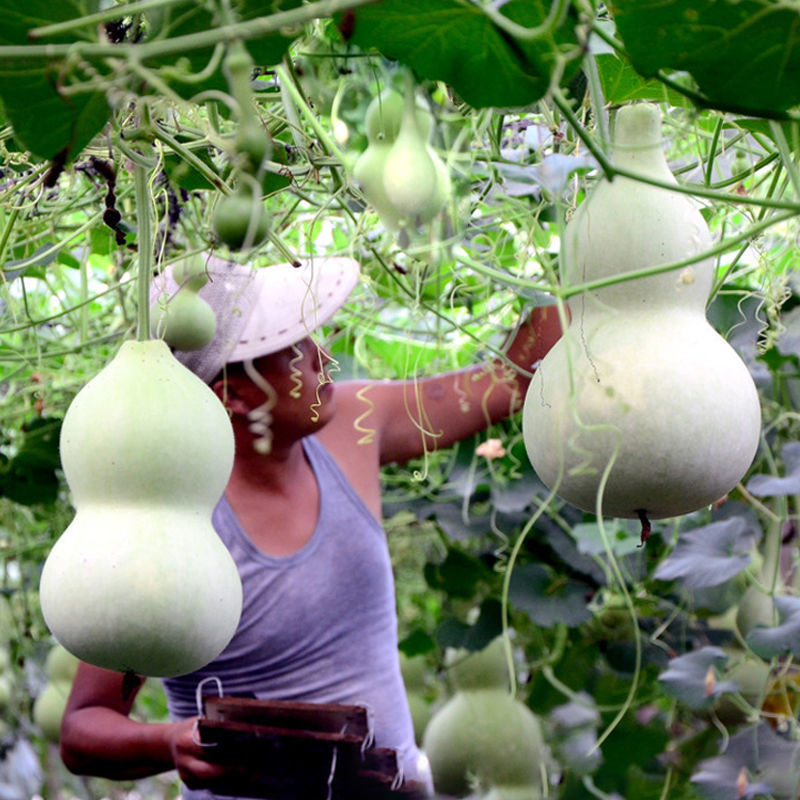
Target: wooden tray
284	750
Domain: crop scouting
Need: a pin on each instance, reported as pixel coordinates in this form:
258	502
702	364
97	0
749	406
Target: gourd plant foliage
646	659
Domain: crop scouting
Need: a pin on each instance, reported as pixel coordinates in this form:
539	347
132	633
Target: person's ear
226	390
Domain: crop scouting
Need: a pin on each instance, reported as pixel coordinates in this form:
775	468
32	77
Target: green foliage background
655	656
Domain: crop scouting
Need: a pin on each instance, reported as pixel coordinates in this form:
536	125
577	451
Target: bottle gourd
640	390
483	733
140	581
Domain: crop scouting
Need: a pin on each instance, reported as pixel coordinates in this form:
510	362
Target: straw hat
261	310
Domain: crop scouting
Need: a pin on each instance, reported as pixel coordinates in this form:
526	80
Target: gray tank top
318	625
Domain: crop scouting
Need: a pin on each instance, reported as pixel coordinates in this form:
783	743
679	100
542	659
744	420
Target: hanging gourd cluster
399	173
640	410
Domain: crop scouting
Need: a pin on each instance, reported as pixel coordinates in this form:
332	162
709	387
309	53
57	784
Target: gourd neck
637	141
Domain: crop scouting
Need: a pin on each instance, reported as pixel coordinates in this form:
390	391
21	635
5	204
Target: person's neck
271	471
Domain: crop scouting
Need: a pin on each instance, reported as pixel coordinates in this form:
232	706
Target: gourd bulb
140	581
483	734
60	665
48	709
641	404
385	113
185	321
368	175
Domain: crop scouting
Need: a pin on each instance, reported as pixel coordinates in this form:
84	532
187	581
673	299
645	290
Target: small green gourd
640	390
140	581
409	173
185	321
251	142
48	709
483	733
240	220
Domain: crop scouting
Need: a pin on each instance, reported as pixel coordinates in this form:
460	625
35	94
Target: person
301	516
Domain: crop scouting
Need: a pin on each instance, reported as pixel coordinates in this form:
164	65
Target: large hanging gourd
140	581
641	404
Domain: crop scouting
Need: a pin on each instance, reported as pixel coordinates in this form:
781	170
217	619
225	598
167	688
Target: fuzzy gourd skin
186	321
483	734
640	378
140	580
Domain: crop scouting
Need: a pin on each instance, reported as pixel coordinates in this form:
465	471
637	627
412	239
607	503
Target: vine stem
287	83
145	245
175	46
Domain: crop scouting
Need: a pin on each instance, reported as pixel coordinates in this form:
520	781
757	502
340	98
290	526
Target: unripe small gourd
640	382
60	665
382	122
385	114
483	732
140	581
414	183
185	321
240	220
48	709
480	669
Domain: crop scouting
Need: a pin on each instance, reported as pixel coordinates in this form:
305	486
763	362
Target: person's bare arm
412	417
99	738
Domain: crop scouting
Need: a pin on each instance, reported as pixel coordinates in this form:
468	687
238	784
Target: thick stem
145	245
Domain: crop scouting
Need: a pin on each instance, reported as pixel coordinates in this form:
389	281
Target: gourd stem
563	106
713	151
786	156
289	87
145	246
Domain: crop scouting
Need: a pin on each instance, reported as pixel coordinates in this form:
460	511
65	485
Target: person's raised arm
412	417
99	738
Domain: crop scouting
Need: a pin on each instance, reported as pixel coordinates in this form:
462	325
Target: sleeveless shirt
318	625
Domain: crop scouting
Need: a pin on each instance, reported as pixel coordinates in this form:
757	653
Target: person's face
304	391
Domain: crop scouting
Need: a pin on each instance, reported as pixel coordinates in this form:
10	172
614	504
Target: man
301	516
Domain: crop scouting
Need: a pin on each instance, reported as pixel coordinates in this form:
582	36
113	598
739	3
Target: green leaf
743	54
771	763
458	575
589	539
710	555
488	626
46	120
686	679
455	42
785	637
190	17
417	643
547	598
623	84
30	478
773	486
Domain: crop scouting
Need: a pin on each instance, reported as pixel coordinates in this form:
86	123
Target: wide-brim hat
261	310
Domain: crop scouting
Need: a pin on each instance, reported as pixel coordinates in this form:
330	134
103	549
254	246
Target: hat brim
261	310
289	303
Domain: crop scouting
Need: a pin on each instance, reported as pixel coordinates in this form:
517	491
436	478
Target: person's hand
190	757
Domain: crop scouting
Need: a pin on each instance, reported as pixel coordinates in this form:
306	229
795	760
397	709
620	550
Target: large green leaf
744	54
455	42
46	120
191	17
